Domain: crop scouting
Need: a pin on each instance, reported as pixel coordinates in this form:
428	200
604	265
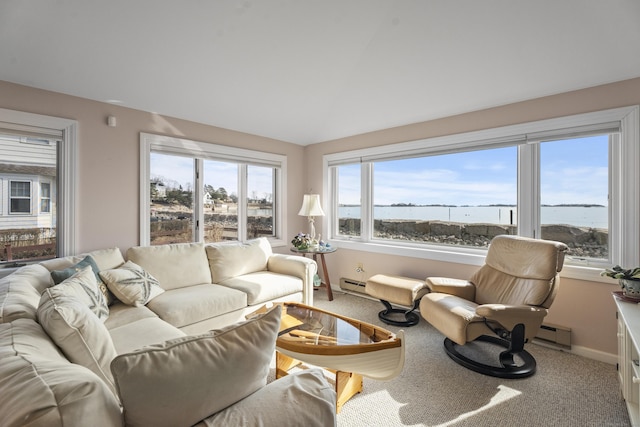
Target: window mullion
198	201
243	200
366	209
529	190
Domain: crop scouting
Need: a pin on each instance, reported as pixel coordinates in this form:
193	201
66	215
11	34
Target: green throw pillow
60	276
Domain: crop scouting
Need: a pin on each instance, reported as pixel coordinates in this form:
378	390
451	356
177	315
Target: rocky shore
582	241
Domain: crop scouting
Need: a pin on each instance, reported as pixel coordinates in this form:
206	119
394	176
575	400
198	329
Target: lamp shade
311	206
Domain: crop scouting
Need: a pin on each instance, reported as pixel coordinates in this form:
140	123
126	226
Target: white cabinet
628	360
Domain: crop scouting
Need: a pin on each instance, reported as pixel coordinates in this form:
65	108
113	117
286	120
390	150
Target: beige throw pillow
84	286
131	284
77	331
185	380
228	260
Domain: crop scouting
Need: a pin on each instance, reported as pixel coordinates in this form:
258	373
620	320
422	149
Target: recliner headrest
525	257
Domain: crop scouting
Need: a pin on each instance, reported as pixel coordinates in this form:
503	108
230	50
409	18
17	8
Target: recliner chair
503	303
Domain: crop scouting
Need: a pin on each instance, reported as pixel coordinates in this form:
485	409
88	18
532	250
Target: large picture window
202	192
569	179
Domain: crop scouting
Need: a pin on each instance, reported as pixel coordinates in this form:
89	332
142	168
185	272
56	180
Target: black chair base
411	318
509	368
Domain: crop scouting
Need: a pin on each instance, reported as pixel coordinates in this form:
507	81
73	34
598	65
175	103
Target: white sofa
66	358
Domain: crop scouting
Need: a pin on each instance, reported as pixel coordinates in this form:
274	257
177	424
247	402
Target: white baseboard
589	353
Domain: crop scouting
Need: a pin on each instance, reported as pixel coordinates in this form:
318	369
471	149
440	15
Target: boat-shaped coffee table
350	348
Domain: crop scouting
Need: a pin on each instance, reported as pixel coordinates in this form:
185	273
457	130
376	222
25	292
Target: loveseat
158	338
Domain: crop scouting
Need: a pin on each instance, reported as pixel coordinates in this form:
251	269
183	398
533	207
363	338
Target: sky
216	174
572	172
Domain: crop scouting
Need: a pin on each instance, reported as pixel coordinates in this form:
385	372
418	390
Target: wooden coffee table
347	347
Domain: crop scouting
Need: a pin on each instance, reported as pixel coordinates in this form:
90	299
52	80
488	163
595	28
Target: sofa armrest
297	266
460	288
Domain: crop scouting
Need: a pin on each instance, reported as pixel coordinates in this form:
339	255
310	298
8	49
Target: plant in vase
629	279
301	241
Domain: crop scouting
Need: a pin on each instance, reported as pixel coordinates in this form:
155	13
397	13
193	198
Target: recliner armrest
511	315
460	288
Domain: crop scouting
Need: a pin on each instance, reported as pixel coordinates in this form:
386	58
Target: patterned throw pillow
131	284
84	287
59	276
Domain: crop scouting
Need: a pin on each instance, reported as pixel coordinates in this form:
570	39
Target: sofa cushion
208	373
20	292
82	337
231	259
122	314
56	391
59	276
307	389
142	332
104	258
192	304
264	286
175	265
131	284
83	286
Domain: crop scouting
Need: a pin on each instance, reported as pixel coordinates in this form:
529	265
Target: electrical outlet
360	268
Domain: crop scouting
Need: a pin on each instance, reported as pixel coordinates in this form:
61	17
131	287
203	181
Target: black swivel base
508	368
387	317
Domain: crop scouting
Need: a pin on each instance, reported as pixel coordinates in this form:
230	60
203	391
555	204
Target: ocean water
580	216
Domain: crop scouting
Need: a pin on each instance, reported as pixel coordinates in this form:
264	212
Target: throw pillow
59	276
232	259
131	284
78	332
188	379
83	285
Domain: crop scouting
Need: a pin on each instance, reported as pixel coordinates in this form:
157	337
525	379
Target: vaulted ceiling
316	70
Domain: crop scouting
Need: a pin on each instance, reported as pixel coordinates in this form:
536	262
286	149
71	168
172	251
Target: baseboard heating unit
352	285
554	335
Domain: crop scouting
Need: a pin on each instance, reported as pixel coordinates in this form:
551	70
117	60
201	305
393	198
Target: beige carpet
567	390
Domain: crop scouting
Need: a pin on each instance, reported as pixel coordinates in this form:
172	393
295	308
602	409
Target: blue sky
217	174
573	172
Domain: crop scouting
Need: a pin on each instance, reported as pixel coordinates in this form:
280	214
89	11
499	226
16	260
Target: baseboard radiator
351	285
554	335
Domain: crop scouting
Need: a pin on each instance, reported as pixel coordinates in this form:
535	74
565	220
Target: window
196	191
569	179
45	197
348	199
20	197
37	175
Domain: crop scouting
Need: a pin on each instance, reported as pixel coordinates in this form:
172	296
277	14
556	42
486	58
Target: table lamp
310	208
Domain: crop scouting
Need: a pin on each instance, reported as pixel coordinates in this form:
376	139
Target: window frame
200	150
624	204
65	130
43	198
12	197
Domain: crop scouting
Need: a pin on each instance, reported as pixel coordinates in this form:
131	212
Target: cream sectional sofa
161	358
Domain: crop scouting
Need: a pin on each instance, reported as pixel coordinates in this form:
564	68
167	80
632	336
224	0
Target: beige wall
586	307
108	182
109	159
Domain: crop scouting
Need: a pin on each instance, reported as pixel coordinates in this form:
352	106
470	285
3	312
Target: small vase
631	288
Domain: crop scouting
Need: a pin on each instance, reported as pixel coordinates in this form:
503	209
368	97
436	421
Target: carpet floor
567	390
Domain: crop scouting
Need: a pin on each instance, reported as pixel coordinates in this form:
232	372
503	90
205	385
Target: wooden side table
325	274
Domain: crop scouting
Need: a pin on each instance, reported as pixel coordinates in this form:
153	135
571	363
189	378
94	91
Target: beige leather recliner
503	303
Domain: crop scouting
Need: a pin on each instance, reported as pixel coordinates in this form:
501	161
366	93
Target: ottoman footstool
399	290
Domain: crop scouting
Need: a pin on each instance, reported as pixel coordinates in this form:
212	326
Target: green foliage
618	272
